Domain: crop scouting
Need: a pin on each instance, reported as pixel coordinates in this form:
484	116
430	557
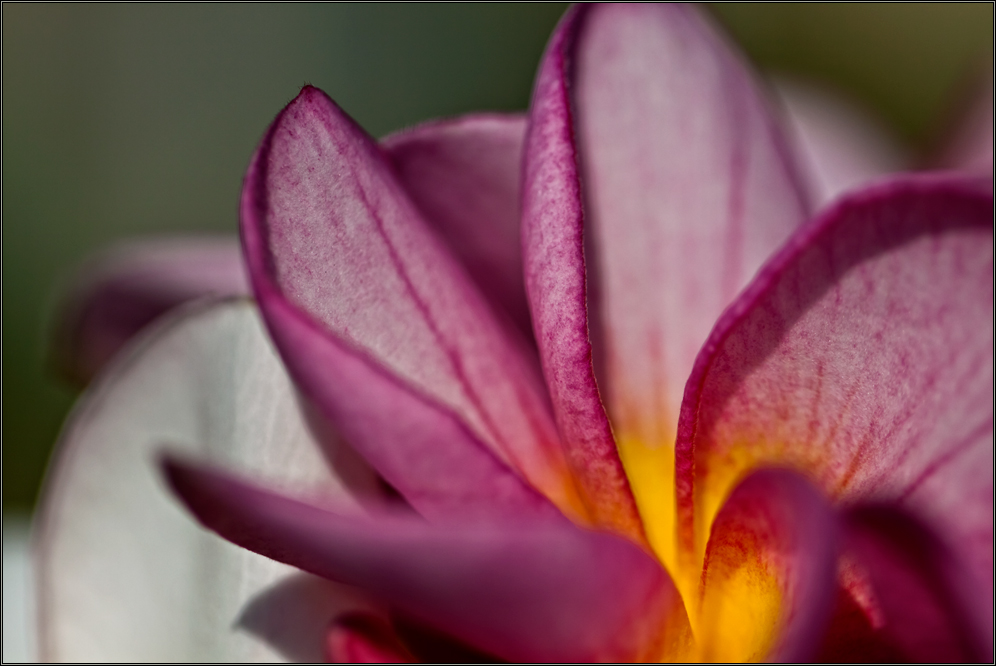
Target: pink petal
382	328
553	255
770	572
922	603
683	186
464	175
123	574
124	289
524	590
426	452
845	146
863	354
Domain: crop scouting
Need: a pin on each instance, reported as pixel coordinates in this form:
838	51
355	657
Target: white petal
123	572
17	602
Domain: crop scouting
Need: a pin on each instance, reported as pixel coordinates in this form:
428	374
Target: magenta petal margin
553	255
861	355
369	310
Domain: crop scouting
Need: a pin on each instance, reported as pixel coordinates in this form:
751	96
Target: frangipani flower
688	420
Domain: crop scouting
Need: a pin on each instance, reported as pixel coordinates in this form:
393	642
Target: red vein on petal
451	354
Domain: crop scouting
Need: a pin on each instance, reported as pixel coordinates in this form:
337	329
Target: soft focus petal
18	638
844	146
123	572
862	354
916	597
124	289
374	317
523	590
970	141
464	175
686	186
769	575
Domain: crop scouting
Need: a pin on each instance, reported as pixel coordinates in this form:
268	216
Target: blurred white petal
18	605
124	574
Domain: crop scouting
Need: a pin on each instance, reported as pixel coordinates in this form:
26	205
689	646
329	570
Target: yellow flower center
733	597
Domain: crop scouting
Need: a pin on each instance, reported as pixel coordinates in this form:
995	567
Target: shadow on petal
293	616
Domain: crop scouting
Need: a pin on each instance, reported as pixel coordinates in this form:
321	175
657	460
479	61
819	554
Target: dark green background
122	120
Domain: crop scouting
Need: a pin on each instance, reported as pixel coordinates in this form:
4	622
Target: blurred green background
123	120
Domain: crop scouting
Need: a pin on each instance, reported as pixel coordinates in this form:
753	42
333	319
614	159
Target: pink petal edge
425	451
553	255
862	353
362	300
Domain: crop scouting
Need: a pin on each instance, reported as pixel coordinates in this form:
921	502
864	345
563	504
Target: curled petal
123	574
553	255
126	288
464	175
862	354
523	590
769	573
368	309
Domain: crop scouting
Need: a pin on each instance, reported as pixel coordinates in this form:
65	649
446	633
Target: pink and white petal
769	576
845	147
921	602
687	186
345	268
464	175
123	573
862	354
522	590
122	290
